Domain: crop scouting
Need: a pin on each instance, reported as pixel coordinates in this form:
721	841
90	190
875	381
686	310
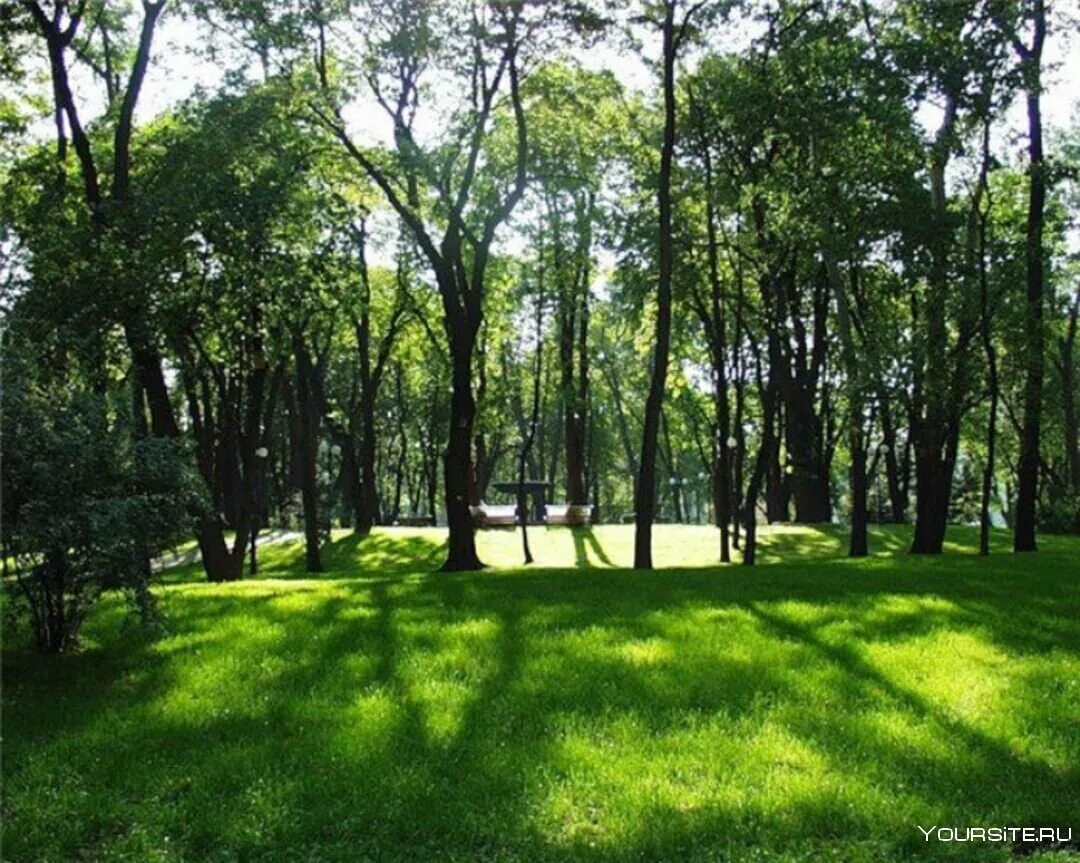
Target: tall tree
673	31
442	191
1034	11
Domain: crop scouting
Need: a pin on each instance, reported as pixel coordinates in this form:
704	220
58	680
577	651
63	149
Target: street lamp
732	443
261	453
883	449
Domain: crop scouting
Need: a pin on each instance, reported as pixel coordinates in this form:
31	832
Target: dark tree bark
371	370
859	545
622	423
478	476
1028	479
930	422
534	416
674	483
980	216
894	469
573	319
1067	372
229	422
801	353
645	494
58	35
776	493
804	353
431	458
403	446
738	434
765	454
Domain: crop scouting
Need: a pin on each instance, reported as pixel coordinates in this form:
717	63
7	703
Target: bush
1060	513
85	507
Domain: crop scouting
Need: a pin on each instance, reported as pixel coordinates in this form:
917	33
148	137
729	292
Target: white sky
176	71
178	67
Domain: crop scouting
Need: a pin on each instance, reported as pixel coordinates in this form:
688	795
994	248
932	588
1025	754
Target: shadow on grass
557	715
588	552
381	554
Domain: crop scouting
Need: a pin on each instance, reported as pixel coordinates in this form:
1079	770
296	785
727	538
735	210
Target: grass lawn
813	708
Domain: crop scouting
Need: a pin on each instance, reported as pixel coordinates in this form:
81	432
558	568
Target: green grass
813	709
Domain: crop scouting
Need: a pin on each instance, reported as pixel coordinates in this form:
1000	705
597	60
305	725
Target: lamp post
676	499
733	495
333	462
884	451
701	495
261	453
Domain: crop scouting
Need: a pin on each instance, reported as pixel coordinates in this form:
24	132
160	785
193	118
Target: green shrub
85	508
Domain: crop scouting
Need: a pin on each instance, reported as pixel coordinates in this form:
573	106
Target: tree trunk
526	444
1028	479
776	503
367	513
933	472
1067	371
980	218
739	456
810	490
573	418
457	466
645	498
859	546
715	322
897	495
764	457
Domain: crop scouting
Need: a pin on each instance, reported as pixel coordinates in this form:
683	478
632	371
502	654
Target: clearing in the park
812	708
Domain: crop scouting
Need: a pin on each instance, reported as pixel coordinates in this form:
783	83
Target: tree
949	53
230	201
673	30
575	126
1034	347
107	205
426	188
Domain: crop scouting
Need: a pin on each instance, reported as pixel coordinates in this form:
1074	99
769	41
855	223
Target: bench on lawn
491	515
572	514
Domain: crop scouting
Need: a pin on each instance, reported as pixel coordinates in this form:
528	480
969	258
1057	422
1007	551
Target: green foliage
85	506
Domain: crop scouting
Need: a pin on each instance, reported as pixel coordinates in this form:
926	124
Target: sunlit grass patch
813	708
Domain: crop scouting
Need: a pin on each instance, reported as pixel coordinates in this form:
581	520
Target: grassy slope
814	709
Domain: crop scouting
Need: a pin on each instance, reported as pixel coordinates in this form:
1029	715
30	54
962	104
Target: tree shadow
383	554
538	714
587	547
594	544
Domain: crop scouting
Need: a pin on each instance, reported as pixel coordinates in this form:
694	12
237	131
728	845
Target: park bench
491	515
574	515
